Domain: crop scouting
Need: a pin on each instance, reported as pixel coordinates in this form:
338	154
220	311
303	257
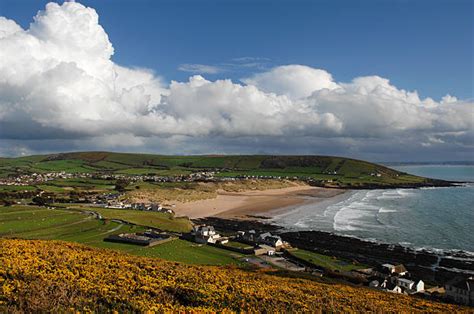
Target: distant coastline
429	163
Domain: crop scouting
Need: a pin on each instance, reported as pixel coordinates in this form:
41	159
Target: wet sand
244	205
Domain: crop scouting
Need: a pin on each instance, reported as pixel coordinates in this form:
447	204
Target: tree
120	185
41	200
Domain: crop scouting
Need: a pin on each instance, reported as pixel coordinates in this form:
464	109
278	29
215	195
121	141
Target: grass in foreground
40	276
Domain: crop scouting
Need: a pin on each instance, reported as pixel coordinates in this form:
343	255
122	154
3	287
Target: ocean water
432	218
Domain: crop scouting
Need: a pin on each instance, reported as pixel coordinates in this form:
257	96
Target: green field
31	222
326	261
238	245
182	251
16	188
163	221
343	172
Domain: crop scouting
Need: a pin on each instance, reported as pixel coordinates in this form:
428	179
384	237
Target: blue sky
422	45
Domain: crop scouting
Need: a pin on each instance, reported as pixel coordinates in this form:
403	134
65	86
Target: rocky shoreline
433	267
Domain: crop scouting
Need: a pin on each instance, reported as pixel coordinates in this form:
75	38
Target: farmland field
326	261
238	245
177	250
163	221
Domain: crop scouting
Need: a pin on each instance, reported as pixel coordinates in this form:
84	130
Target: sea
429	218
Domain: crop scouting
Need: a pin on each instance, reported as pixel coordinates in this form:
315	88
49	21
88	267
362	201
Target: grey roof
408	281
264	235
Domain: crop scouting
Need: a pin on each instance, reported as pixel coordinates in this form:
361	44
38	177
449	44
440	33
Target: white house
207	234
391	287
396	289
401	285
271	240
420	286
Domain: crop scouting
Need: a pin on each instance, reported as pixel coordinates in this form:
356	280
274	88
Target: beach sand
244	205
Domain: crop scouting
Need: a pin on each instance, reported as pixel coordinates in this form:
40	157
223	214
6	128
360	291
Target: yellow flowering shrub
40	275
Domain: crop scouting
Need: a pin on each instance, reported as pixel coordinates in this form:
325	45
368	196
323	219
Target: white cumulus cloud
58	82
295	81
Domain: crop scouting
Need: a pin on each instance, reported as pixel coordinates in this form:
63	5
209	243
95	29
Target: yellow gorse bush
59	276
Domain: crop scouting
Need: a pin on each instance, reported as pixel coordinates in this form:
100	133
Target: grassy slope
349	171
38	276
193	191
30	222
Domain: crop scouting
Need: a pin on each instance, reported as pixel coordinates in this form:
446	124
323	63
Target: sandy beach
244	205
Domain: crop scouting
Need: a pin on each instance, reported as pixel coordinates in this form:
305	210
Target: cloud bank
60	89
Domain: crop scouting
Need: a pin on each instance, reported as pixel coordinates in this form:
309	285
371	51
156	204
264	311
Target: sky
378	80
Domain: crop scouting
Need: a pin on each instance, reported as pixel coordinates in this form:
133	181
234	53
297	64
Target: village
267	250
256	248
25	179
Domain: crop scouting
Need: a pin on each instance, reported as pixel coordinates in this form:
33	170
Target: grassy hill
335	171
52	276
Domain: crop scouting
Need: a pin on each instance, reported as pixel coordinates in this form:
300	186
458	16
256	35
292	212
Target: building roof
265	235
204	228
407	281
273	240
399	269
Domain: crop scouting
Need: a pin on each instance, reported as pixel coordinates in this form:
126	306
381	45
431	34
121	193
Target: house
271	240
398	270
274	241
207	234
250	236
420	286
155	207
262	236
389	286
460	290
396	289
139	206
401	285
115	205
